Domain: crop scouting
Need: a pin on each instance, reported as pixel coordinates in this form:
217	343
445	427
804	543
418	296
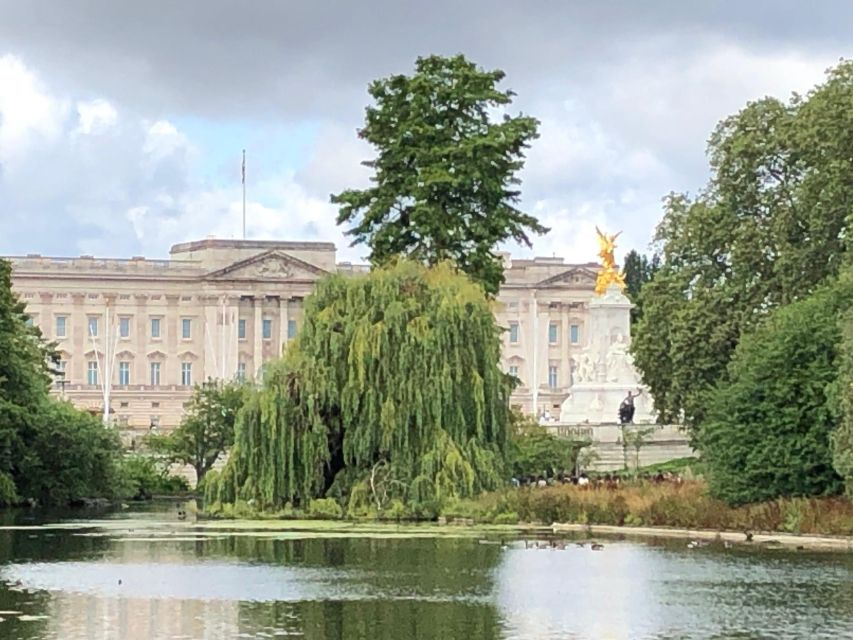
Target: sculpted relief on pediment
271	266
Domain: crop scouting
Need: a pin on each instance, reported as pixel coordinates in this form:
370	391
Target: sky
122	123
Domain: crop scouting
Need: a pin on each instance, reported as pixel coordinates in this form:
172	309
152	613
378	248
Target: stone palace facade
140	333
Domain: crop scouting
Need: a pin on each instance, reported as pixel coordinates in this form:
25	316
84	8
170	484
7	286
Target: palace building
134	335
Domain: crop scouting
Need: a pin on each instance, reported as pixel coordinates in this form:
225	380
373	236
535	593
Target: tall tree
207	429
638	269
769	422
445	183
394	374
49	451
769	228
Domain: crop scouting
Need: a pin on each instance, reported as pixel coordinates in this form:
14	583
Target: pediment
125	355
580	277
156	355
187	355
270	265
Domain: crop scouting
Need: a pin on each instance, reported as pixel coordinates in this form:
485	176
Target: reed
686	505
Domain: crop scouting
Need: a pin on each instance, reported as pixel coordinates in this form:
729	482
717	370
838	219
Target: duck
748	535
595	546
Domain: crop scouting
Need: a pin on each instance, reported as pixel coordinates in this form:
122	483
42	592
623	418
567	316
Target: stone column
282	323
257	336
565	371
139	337
79	336
212	359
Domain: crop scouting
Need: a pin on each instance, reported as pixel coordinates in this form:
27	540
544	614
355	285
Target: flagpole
244	194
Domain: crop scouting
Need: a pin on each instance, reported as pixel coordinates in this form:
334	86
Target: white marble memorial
603	373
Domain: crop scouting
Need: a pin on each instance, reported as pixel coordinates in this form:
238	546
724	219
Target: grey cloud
627	91
289	59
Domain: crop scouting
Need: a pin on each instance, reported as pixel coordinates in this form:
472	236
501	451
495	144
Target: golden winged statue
608	274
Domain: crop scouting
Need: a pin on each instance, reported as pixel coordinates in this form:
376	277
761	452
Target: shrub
769	421
508	517
325	509
143	477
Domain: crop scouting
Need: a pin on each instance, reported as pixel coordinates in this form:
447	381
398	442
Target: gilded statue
608	274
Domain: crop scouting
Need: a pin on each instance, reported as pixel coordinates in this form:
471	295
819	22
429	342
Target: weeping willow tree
391	391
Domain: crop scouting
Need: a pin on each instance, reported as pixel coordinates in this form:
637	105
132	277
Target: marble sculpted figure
605	387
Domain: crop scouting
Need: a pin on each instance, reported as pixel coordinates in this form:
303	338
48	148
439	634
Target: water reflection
144	577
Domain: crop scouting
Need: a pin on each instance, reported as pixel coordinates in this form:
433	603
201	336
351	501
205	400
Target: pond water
149	575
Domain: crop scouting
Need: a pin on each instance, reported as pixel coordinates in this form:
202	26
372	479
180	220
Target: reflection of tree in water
373	620
30	603
379	587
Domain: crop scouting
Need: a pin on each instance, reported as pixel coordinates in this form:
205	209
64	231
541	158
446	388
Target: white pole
244	194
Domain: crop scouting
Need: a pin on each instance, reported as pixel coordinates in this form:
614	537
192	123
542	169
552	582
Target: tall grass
686	505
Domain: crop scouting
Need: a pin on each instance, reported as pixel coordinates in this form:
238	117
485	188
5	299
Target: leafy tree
535	452
49	451
639	269
394	372
445	185
767	432
207	429
144	476
70	455
768	229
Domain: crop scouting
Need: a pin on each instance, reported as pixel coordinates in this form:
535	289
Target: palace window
124	373
92	372
513	332
266	328
61	328
552	376
186	328
187	374
241	329
553	331
124	327
155	327
155	373
291	328
241	371
93	327
575	333
513	370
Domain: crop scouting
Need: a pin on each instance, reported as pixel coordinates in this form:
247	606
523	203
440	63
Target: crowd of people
597	480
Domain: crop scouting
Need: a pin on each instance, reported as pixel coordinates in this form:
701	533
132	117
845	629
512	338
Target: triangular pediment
270	265
581	277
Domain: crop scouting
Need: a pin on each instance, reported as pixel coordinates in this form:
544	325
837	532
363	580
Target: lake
147	574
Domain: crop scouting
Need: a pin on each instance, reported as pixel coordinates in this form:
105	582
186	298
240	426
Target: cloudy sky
122	123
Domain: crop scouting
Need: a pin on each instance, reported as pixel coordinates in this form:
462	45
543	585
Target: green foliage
769	421
769	228
143	477
49	451
535	452
70	455
325	509
842	437
445	185
636	438
392	390
8	491
207	428
639	270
